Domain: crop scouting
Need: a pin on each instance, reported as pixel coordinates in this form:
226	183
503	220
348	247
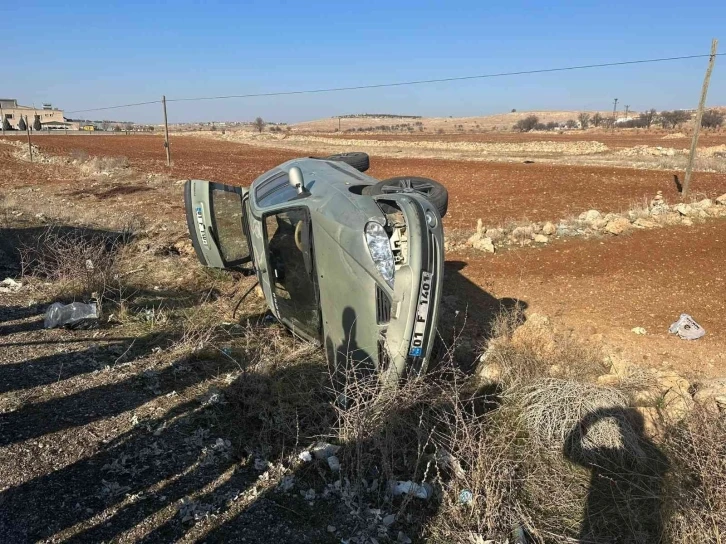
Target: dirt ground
89	419
620	140
493	192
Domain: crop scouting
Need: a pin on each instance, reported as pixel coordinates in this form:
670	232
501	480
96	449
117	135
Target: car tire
358	160
431	189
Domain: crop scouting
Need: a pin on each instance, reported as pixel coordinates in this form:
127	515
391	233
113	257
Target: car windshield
293	283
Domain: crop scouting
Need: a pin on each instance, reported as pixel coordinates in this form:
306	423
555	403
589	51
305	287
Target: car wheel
358	160
431	189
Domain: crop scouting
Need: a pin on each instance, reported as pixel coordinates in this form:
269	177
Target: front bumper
398	354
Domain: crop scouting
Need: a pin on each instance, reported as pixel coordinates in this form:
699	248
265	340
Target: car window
295	288
275	190
229	224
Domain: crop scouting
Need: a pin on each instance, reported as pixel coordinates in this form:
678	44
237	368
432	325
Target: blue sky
95	54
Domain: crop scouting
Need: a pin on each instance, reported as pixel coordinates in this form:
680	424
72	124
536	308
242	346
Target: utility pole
615	109
27	131
2	118
699	116
166	133
626	111
338	123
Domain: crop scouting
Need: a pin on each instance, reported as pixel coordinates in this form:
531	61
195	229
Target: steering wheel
298	235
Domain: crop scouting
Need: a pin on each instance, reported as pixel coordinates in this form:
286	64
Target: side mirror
296	179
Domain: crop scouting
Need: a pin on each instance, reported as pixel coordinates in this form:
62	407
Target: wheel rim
409	186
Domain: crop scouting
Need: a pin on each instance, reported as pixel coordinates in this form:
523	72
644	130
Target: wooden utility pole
615	109
699	115
166	133
2	118
27	131
626	111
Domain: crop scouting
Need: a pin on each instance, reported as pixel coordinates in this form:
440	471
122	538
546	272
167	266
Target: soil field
605	288
618	140
494	192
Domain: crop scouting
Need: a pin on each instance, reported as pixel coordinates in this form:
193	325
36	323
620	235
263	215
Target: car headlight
380	248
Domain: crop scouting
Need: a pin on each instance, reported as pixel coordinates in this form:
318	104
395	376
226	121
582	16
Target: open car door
217	223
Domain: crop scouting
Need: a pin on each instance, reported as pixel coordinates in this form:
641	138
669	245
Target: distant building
50	118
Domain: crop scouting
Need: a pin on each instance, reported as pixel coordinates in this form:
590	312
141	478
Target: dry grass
697	480
81	261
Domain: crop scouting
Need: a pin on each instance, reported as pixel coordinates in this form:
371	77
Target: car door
217	223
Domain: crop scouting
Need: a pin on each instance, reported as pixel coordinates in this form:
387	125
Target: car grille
383	306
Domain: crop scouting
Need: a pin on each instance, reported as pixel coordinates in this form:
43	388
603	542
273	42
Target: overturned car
344	260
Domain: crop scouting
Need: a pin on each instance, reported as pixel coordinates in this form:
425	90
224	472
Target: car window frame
287	207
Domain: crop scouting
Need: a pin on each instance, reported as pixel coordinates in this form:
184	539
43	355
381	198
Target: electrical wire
406	83
440	80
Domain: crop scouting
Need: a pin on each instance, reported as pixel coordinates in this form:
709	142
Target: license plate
422	315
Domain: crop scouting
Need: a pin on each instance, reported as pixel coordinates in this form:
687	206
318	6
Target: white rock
591	215
639	330
687	222
703	204
549	229
721	199
618	226
541	238
484	244
683	209
711	394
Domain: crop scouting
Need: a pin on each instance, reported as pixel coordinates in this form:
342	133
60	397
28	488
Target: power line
408	83
117	107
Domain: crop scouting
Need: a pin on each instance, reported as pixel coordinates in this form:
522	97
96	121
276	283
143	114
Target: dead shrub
696	484
84	261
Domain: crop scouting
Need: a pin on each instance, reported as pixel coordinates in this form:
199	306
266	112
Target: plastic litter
687	328
76	315
465	496
423	491
334	463
305	456
323	450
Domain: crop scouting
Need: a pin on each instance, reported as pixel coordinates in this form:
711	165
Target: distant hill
500	121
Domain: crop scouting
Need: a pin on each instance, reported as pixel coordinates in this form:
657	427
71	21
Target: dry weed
82	261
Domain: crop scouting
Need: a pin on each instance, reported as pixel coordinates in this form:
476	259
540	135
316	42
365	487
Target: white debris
323	450
423	491
639	330
9	285
687	328
305	456
334	463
